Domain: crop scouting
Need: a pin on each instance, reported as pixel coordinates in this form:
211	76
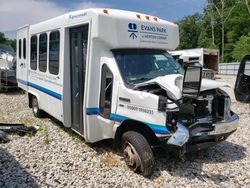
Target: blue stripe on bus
160	129
23	82
92	111
42	89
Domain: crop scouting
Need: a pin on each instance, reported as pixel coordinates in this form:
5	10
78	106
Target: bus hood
207	84
173	84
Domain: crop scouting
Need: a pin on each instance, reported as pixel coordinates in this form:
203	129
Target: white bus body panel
115	30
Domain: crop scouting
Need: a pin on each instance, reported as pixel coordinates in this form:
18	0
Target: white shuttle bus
107	75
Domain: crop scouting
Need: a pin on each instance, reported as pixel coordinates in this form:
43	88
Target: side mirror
192	80
242	84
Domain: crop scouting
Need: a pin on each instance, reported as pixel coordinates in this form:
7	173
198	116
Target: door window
20	48
24	48
54	48
106	91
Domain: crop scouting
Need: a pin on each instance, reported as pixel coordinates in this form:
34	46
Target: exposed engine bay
211	106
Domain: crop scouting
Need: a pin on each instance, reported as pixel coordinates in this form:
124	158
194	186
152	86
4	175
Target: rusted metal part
131	157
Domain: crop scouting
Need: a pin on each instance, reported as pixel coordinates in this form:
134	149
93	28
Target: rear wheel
35	108
138	154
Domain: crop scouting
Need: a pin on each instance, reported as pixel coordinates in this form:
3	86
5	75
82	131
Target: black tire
35	108
138	153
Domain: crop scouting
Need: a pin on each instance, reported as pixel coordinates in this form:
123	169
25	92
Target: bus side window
43	52
33	53
106	91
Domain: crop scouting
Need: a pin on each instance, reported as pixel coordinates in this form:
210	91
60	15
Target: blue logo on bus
132	28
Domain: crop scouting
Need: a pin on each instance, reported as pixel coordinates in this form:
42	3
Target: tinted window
54	49
138	66
20	49
33	52
24	48
106	91
6	48
43	52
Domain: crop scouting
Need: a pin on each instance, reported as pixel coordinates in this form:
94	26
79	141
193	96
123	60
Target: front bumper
222	127
202	135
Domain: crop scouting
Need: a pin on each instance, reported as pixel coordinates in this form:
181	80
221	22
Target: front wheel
138	154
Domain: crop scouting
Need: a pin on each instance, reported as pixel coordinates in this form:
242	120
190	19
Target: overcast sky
16	13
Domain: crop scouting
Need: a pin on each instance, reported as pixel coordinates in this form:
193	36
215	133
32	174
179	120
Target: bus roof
118	28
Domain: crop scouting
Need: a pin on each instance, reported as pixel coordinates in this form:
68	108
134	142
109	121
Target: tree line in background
224	25
10	42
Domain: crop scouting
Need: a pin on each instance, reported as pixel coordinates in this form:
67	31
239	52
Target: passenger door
242	84
22	57
78	54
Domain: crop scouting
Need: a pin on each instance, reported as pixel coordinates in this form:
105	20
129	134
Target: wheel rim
131	156
35	106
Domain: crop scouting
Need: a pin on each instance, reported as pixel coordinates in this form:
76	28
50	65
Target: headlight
162	104
227	108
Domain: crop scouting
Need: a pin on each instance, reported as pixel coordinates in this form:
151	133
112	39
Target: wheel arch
30	95
133	125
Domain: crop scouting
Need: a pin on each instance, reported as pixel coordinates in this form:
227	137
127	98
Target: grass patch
2	119
160	180
75	136
28	120
29	134
50	158
46	135
109	160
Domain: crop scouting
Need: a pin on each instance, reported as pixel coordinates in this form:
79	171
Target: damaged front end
198	114
201	122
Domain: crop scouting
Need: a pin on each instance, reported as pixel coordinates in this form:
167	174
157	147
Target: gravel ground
57	157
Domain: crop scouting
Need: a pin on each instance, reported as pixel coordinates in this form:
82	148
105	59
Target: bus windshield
140	65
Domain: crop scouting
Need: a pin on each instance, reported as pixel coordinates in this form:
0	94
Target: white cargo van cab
107	74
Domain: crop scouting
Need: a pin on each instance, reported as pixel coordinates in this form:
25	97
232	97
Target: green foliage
196	30
190	31
46	136
3	40
242	47
10	42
